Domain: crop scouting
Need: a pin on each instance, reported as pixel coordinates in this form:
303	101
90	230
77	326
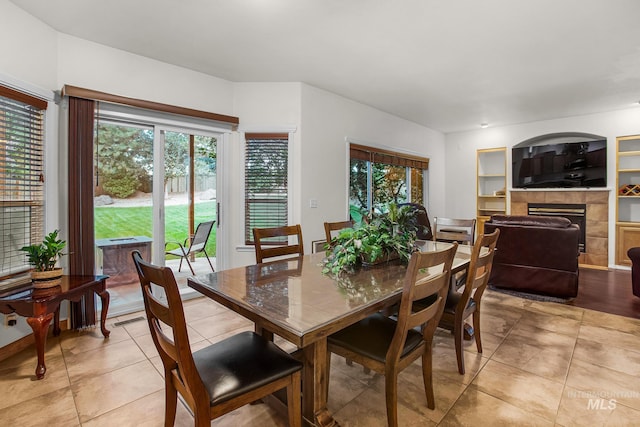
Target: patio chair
197	244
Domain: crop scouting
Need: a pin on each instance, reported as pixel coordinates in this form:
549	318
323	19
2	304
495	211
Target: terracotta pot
46	279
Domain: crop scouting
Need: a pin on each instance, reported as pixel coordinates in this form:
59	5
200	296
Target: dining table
294	299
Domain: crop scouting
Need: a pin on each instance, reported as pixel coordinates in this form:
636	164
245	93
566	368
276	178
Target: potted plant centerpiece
379	238
43	257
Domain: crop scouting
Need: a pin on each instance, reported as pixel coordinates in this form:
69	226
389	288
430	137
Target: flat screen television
562	165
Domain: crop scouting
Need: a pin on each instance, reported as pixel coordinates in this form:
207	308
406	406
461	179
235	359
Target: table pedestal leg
104	297
40	327
315	384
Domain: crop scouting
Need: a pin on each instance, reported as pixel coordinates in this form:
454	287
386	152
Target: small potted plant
43	257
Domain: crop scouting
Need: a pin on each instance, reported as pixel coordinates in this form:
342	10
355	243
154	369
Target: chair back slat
265	250
454	230
479	268
428	274
171	342
335	226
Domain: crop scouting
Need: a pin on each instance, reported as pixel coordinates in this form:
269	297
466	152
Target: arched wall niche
559	138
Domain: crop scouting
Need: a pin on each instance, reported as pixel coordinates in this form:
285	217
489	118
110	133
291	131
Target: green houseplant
43	257
378	238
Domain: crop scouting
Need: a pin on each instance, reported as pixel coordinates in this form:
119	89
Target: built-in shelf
491	176
627	204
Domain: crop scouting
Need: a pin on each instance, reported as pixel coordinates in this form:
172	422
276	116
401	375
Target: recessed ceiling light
484	125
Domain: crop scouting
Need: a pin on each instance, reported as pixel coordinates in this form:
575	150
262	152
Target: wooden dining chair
274	242
454	230
460	305
221	377
335	226
388	346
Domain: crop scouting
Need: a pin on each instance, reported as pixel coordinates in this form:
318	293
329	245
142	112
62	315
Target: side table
40	306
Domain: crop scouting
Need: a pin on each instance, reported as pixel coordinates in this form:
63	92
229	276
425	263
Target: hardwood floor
608	291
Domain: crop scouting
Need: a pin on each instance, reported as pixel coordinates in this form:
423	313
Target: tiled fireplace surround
597	202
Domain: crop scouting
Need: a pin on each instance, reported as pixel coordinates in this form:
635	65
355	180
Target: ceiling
446	64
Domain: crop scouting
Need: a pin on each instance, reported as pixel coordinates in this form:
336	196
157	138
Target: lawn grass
111	222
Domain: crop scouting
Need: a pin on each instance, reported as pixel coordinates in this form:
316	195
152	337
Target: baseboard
21	343
593	267
16	346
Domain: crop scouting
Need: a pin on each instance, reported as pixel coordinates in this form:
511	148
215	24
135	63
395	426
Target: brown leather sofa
634	256
535	254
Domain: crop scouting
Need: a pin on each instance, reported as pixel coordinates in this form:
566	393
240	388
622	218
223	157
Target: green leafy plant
120	184
43	256
377	238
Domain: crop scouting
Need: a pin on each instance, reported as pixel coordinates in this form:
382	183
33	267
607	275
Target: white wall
93	66
261	107
28	63
327	119
461	149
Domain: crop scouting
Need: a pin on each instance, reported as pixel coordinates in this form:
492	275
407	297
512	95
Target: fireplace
576	213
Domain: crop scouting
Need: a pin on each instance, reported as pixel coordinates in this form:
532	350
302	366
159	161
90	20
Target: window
265	179
378	177
21	178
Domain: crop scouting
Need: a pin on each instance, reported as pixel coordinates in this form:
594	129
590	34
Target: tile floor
543	364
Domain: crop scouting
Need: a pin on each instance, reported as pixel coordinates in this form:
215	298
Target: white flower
357	243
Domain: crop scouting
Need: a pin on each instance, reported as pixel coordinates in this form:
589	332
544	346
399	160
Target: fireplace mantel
597	216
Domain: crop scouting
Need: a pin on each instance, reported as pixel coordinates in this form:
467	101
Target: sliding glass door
190	203
154	184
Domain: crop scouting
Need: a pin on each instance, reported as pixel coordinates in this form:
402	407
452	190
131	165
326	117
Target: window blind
266	186
377	155
21	178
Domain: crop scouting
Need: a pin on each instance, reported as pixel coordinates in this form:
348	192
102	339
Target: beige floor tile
445	390
601	381
260	415
137	328
611	321
608	356
28	356
201	308
101	394
103	359
145	342
369	410
445	361
498	324
19	383
609	336
342	390
537	351
522	389
353	371
55	408
581	409
213	326
147	411
75	342
556	309
549	322
476	408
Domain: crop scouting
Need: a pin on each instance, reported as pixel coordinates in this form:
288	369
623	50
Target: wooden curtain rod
78	92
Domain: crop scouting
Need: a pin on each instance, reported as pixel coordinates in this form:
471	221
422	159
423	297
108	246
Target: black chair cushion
372	337
453	298
240	364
